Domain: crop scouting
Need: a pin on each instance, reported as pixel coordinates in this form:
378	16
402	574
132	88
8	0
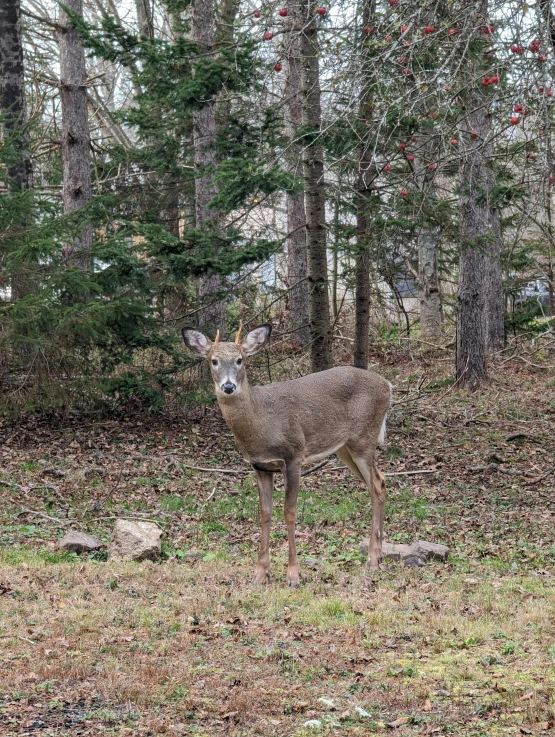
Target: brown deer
280	426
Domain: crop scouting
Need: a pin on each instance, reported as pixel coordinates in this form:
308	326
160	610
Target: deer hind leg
344	455
292	476
375	481
265	489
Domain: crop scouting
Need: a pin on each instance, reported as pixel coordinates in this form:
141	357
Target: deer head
227	360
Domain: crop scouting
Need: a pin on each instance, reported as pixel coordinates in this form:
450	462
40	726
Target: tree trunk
478	228
13	108
76	191
204	133
429	241
144	18
431	313
315	196
297	267
364	186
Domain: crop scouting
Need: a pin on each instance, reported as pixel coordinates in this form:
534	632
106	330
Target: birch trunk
297	266
76	192
315	197
204	133
12	106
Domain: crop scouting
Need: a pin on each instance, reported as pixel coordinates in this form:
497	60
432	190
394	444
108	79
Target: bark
144	18
315	198
477	225
13	108
204	133
429	242
297	265
364	186
76	191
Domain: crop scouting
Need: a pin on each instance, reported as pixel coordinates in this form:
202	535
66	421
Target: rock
413	561
135	540
426	550
78	542
411	555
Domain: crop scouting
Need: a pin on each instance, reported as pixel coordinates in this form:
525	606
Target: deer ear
196	341
256	339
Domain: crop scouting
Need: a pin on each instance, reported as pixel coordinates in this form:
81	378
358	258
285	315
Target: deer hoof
261	578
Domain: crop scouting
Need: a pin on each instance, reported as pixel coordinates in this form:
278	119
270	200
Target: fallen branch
540	478
500	469
315	468
61	522
215	470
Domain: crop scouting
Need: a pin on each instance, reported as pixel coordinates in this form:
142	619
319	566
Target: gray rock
135	540
79	542
421	550
426	550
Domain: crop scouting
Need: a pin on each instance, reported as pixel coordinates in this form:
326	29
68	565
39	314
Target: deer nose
228	387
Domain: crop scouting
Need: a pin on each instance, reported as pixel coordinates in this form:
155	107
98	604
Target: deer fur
280	426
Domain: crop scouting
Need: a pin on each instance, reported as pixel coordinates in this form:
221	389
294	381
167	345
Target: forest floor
187	647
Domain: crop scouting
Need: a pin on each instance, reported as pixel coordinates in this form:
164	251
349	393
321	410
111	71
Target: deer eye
214	362
239	361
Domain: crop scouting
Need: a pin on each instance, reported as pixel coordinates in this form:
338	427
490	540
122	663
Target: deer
281	425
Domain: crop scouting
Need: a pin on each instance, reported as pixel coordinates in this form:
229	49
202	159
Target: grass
187	647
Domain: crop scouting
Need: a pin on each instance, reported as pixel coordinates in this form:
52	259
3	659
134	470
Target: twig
315	468
26	639
540	478
391	473
215	470
46	516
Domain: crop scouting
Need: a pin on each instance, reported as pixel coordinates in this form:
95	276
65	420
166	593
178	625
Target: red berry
526	112
452	31
517	109
514	48
267	36
403	193
540	90
535	46
368	30
283	12
414	139
551	179
474	135
485	82
410	157
387	167
494	79
433	116
454	142
388	38
541	133
488	29
405	71
393	3
278	67
321	11
431	167
549	93
402	146
404	28
531	156
257	14
403	60
515	120
428	30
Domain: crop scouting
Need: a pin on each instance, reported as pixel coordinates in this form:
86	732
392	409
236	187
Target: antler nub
217	338
238	333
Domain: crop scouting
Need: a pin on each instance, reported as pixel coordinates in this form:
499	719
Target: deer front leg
292	476
265	489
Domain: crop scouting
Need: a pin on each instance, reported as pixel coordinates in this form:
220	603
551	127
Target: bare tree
297	266
75	133
12	107
429	243
315	196
204	134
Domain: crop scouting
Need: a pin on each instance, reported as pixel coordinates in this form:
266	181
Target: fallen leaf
428	705
398	722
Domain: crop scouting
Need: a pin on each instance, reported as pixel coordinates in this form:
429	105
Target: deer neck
239	412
